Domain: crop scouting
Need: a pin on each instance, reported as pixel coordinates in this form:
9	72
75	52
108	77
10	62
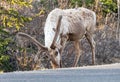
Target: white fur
65	28
70	22
51	23
58	57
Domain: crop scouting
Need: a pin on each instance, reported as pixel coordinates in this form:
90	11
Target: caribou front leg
64	39
78	53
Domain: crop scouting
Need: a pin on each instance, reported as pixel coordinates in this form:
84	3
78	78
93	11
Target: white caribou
67	25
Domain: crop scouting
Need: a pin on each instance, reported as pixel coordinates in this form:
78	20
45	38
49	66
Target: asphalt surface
85	74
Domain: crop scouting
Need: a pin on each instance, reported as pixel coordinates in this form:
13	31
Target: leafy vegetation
10	18
88	3
109	6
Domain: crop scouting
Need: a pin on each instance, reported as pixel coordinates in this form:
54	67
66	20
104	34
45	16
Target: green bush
109	6
10	18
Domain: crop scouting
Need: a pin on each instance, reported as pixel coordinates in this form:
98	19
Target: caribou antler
39	45
57	30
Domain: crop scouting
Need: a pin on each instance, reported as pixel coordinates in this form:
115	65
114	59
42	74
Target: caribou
63	25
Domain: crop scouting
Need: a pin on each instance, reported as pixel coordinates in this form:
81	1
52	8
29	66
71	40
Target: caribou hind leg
92	44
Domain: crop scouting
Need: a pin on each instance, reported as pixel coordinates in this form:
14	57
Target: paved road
65	75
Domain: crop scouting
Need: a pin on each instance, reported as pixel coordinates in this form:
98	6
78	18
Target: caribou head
53	50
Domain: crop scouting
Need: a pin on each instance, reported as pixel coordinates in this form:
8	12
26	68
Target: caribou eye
56	53
54	29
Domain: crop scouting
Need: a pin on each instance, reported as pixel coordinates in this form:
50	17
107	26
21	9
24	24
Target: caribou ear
54	29
52	46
